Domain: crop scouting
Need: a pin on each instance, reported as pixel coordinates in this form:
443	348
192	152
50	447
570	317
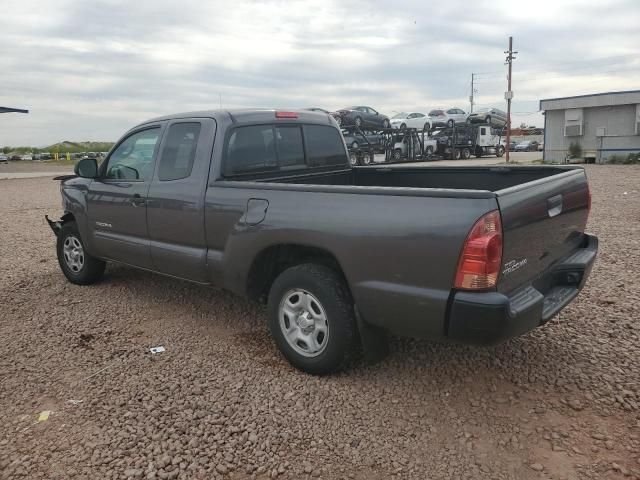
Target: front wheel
312	319
77	265
500	152
397	154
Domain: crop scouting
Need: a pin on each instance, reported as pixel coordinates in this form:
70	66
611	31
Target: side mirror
86	168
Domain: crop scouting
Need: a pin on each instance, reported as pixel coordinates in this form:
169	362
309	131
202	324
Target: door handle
136	200
554	205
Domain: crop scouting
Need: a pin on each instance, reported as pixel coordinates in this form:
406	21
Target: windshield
400	115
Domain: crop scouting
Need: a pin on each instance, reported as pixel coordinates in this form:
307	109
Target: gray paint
616	111
396	233
619	121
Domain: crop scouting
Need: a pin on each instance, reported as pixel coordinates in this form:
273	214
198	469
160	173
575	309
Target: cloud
91	70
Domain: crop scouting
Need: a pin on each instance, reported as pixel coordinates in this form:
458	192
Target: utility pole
508	95
472	92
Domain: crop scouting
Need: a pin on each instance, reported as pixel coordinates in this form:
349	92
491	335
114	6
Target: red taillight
286	115
481	256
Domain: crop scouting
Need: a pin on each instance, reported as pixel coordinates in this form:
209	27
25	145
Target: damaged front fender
56	226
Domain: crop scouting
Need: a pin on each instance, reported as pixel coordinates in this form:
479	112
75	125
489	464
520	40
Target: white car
448	117
411	120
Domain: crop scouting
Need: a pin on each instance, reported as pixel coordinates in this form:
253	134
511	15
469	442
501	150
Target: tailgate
542	221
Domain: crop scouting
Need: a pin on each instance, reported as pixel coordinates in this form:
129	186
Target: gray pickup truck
266	204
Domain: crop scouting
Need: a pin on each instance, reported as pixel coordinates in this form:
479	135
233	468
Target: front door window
132	160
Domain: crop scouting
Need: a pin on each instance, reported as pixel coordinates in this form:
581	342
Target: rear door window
250	149
324	146
179	151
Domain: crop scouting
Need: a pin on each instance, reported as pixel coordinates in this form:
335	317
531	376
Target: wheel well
272	261
67	217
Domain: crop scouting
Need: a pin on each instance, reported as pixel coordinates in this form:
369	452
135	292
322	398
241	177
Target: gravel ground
561	402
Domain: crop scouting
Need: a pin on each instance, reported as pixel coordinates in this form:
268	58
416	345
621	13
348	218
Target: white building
603	124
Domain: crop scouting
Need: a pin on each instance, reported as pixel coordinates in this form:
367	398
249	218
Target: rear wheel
429	150
77	265
386	124
466	153
311	318
358	122
367	158
455	155
451	123
404	125
353	158
397	154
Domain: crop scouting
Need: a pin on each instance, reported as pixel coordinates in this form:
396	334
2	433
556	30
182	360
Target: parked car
355	140
289	223
361	116
541	146
492	116
512	146
15	157
527	146
447	117
421	140
4	158
411	120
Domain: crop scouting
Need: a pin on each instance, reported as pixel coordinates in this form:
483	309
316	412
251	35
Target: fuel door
256	211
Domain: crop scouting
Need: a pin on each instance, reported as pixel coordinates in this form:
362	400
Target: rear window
265	148
324	146
435	113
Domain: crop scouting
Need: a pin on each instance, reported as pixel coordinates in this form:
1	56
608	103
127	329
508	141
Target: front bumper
487	318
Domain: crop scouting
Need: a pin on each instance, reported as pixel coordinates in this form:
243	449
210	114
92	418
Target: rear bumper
486	318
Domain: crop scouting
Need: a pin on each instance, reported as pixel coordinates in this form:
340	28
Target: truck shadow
524	360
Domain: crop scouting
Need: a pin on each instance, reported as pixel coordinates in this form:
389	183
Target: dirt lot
561	402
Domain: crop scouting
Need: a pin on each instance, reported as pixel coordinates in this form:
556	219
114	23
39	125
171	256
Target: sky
91	69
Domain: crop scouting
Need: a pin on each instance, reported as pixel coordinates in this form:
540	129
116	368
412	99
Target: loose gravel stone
222	403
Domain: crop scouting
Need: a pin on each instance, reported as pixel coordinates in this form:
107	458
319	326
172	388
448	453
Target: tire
77	265
326	307
354	145
397	154
353	158
386	124
455	155
466	153
429	150
358	122
451	123
426	127
404	125
367	158
500	151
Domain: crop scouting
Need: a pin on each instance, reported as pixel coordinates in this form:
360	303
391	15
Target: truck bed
492	179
